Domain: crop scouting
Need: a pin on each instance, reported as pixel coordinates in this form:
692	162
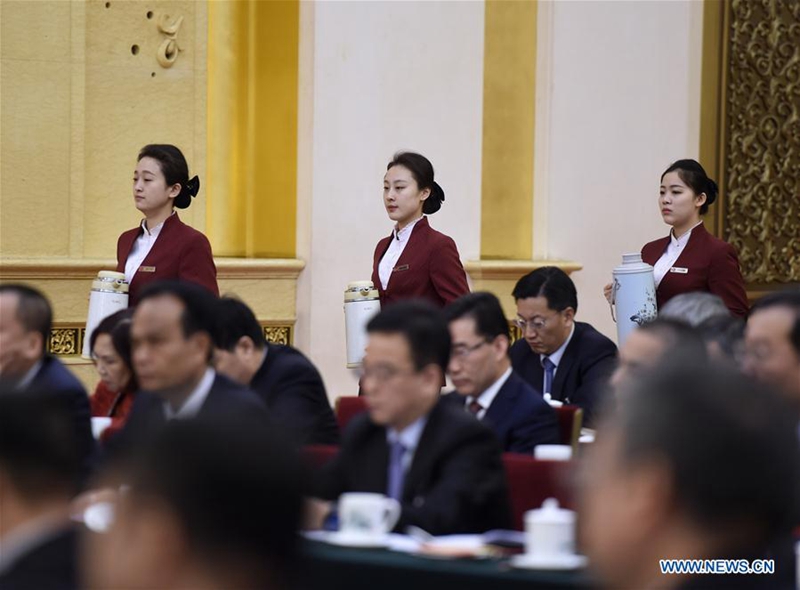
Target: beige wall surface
81	92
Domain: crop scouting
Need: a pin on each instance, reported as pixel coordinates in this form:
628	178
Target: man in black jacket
282	376
565	360
442	465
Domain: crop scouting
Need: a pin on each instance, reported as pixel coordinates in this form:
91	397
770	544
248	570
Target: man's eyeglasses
461	352
536	324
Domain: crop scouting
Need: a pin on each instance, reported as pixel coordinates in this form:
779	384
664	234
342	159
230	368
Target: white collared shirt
17	542
486	398
555	357
141	248
195	401
409	437
394	251
671	254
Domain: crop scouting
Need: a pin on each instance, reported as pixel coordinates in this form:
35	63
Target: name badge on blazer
679	269
400	268
147	269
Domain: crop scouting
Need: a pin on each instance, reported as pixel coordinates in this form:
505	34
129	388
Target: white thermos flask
109	295
361	302
633	293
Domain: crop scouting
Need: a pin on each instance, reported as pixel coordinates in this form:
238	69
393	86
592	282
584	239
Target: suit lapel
503	402
414	240
425	455
565	366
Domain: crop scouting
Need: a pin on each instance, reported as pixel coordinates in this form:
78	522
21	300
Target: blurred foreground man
486	385
211	505
442	465
772	343
25	367
40	465
697	464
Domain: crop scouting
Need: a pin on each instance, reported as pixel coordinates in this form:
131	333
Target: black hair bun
434	201
712	190
184	198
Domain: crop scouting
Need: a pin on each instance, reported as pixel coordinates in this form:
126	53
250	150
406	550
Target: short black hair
679	338
234	487
235	319
424	328
485	309
730	443
789	299
39	450
118	327
726	330
199	304
549	282
33	309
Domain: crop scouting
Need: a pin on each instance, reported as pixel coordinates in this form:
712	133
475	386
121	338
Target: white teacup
99	424
550	530
553	452
367	515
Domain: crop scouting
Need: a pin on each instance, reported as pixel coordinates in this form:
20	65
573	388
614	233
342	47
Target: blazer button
418	502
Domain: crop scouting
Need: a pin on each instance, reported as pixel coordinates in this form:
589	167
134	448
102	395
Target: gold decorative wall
755	44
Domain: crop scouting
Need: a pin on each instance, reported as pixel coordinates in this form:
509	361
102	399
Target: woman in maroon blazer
416	261
690	258
163	247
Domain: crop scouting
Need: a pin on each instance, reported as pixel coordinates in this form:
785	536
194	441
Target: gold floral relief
64	341
278	334
762	145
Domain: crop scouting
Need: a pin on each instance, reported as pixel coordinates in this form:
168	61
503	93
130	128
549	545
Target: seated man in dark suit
442	465
286	380
567	361
211	504
172	342
486	385
25	321
40	464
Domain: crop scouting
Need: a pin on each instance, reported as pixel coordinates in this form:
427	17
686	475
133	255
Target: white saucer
355	540
549	562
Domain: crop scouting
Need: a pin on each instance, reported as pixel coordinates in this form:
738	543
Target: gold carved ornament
168	50
762	98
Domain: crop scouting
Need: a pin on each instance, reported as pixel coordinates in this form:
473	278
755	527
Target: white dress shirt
141	248
486	398
671	254
195	401
555	358
409	437
393	252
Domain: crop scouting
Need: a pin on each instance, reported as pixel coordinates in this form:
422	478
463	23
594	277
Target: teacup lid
550	512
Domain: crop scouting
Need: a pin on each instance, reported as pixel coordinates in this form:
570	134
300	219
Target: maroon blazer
712	265
429	267
180	252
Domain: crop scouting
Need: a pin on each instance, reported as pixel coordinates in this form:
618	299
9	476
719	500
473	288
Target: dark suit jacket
519	416
180	252
225	399
50	565
456	482
429	268
582	374
294	393
56	380
712	264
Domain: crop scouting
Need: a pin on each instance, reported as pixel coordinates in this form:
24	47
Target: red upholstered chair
570	420
348	407
531	481
317	456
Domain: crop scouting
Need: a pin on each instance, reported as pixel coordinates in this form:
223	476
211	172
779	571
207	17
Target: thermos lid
632	263
360	291
110	281
550	513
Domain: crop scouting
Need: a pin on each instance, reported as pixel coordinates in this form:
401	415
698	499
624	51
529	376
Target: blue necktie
397	474
549	371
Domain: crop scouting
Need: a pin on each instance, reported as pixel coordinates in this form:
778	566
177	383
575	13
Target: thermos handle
614	285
